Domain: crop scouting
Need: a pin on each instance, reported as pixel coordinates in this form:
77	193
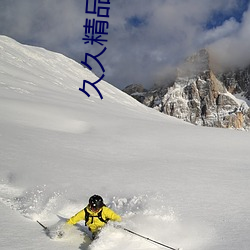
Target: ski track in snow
145	214
42	116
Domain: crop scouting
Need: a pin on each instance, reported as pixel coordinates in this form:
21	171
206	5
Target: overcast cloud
147	38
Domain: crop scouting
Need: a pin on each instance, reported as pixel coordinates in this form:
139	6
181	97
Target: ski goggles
94	208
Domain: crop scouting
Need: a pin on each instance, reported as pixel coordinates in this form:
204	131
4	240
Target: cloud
228	28
233	49
146	38
52	24
171	31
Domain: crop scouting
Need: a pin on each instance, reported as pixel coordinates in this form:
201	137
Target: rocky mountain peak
200	96
196	64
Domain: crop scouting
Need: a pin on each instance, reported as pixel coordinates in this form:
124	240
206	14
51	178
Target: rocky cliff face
237	81
201	97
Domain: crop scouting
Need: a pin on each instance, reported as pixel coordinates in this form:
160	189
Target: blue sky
136	21
147	39
218	17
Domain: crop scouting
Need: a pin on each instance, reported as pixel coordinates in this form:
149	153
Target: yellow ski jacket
94	223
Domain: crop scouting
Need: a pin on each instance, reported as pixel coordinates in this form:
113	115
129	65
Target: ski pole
146	238
45	228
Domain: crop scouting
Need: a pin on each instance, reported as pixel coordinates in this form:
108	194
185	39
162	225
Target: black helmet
96	202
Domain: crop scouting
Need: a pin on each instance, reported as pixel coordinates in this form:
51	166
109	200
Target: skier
95	214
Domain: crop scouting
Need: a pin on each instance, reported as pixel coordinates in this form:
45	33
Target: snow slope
179	184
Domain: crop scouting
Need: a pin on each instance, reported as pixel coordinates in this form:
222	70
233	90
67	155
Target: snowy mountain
182	185
201	96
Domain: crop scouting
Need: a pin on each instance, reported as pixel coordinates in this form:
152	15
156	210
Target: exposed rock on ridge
200	97
237	81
